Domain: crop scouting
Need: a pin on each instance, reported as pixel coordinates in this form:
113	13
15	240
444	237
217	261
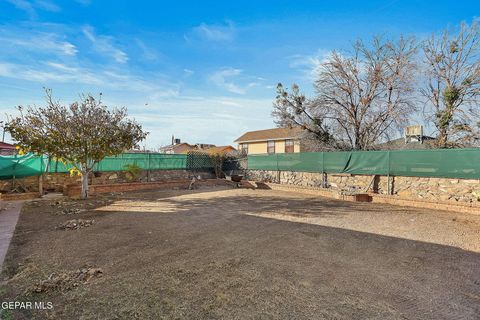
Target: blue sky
203	70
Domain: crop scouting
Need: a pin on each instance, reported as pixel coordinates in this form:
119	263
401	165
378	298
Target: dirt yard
242	254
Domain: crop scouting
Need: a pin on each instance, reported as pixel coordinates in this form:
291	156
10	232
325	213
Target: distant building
178	147
277	140
413	138
221	150
181	147
7	149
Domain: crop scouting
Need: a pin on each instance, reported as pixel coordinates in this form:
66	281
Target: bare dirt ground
242	254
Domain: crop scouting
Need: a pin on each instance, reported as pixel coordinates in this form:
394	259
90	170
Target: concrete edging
8	221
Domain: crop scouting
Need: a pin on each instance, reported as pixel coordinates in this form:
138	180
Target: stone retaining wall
434	189
465	207
57	181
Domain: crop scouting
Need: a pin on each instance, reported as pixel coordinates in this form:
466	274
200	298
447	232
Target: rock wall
57	181
456	190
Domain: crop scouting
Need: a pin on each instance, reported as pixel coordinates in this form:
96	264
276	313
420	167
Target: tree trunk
84	194
442	138
40	185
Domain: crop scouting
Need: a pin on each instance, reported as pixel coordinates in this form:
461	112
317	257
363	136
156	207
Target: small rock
72	211
76	224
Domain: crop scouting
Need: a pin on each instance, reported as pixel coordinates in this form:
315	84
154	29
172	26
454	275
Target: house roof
271	134
183	147
175	148
186	147
220	150
4	145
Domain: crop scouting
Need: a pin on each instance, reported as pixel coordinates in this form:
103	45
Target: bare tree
361	98
453	86
370	93
294	109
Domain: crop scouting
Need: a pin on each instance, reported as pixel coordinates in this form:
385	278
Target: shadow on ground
206	256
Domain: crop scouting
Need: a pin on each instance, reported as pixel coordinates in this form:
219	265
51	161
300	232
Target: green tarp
20	166
448	163
31	165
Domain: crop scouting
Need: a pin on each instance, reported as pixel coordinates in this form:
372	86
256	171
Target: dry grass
236	254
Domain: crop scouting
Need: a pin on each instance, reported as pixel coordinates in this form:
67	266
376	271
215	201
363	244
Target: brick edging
19	196
73	190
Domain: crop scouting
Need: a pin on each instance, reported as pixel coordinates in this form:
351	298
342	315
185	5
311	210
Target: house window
289	146
244	148
271	146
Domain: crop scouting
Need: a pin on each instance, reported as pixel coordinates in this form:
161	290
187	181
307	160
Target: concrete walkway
8	221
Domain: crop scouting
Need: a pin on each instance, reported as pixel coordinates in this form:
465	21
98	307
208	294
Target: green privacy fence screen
447	163
31	165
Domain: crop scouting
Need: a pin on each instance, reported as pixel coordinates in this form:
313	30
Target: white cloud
25	6
216	32
214	119
157	106
147	53
188	72
55	72
38	42
227	102
104	45
46	5
219	78
223	78
309	64
30	7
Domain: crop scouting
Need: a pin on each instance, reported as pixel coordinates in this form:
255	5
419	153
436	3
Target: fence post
388	172
148	168
40	178
278	169
324	174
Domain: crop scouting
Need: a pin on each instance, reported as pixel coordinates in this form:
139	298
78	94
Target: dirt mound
67	280
75	224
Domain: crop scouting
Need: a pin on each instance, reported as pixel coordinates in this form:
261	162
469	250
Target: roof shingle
271	134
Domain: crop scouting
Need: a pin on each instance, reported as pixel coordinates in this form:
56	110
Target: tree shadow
210	247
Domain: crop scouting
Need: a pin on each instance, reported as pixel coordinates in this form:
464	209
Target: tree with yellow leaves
81	134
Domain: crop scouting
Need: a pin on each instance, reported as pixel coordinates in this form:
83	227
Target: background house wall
296	146
280	146
262	147
257	147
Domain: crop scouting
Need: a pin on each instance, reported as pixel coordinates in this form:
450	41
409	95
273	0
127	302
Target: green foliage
451	95
452	86
476	194
81	134
133	171
444	118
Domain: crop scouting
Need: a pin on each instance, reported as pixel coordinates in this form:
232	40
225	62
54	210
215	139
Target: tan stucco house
278	140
